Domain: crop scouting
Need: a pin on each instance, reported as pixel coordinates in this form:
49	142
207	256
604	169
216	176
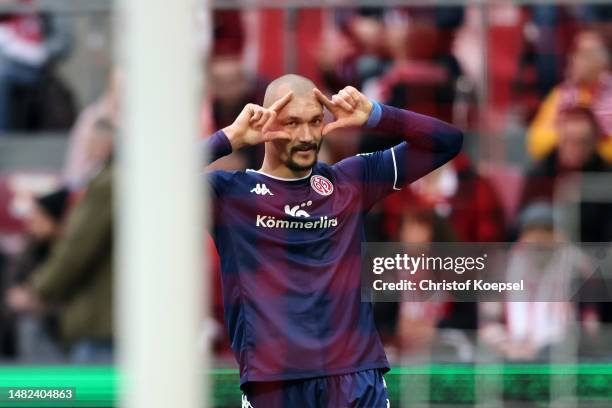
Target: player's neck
281	171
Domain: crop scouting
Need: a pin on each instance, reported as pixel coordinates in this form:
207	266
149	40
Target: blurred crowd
532	90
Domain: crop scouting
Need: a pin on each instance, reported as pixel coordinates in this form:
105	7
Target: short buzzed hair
299	85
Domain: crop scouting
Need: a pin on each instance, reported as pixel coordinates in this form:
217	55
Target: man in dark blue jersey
289	237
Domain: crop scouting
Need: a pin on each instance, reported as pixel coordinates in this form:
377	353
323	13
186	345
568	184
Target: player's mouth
305	150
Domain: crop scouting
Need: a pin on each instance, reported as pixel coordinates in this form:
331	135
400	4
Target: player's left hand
349	106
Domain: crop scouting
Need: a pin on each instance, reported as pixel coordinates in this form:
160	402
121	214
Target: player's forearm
429	142
420	131
216	146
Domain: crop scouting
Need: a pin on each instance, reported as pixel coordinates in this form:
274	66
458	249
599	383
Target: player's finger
262	121
330	127
247	112
348	98
270	122
339	101
276	135
280	104
255	116
357	96
323	99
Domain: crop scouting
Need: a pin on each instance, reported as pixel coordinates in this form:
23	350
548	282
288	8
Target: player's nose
306	134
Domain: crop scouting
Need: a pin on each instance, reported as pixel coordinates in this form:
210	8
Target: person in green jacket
77	277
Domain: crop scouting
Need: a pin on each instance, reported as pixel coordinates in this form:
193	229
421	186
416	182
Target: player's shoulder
350	165
348	170
225	179
323	169
230	175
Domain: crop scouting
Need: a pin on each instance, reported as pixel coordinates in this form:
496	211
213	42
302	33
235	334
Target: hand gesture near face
349	106
256	124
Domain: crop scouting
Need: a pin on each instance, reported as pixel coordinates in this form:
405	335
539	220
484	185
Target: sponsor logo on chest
299	218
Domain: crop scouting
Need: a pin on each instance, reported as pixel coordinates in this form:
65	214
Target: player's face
302	119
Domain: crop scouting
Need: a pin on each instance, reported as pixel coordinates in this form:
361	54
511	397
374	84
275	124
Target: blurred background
529	83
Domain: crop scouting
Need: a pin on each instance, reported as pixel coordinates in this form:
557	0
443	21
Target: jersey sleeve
429	143
376	174
214	147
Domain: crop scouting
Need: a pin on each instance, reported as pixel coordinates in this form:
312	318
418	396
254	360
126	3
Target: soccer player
289	236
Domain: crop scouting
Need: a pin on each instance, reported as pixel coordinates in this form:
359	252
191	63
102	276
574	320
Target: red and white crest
321	185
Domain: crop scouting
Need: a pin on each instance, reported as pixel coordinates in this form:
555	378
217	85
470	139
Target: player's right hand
256	124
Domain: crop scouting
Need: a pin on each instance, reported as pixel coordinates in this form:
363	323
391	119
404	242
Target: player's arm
429	142
254	125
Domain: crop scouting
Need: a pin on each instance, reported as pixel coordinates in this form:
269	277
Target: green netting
457	384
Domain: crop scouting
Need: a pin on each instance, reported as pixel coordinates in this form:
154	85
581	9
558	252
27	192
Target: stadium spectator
424	71
30	44
575	153
588	83
37	331
552	28
417	321
526	329
79	163
77	276
228	33
421	72
550	31
7	326
458	193
465	200
355	52
399	56
231	87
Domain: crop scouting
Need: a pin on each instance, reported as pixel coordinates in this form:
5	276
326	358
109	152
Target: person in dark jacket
575	155
31	44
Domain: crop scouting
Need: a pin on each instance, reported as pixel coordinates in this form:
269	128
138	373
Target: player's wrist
374	115
234	136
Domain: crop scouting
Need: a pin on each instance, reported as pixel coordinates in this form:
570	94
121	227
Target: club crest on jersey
321	185
261	189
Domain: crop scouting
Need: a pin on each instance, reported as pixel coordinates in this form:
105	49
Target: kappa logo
296	211
261	189
245	402
321	185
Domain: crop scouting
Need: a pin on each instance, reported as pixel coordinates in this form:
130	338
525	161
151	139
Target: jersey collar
281	178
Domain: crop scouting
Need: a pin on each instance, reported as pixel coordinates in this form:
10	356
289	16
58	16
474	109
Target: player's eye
291	123
317	121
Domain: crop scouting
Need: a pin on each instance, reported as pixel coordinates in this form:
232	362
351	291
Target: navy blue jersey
291	252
